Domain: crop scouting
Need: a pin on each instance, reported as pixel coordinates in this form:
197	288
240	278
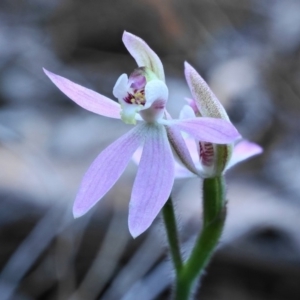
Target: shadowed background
249	53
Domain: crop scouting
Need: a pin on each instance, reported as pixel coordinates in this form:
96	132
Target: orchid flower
142	100
242	150
210	159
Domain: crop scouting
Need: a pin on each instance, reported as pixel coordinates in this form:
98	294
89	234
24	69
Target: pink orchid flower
210	159
142	100
242	150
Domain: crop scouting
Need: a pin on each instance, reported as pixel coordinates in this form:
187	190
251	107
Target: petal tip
137	224
127	35
186	64
46	71
256	149
135	232
51	75
77	213
259	149
80	208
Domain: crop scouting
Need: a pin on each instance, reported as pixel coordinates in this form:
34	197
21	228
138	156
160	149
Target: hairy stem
172	234
214	213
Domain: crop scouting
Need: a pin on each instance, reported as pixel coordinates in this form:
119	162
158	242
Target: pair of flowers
142	102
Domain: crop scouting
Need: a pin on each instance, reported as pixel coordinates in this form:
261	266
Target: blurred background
249	53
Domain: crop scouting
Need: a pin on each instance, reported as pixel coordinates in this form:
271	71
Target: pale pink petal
193	105
156	90
187	113
120	89
193	149
143	54
156	94
211	130
180	170
242	151
106	170
154	180
86	98
180	148
207	103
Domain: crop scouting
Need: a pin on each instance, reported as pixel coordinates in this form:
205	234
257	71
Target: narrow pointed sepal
181	150
207	129
143	54
243	150
154	180
106	170
206	101
86	98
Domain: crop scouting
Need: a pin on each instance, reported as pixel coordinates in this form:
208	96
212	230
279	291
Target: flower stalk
214	213
172	234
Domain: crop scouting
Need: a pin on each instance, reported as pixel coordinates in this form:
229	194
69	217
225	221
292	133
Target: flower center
136	97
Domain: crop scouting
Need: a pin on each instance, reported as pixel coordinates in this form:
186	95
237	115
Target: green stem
171	228
214	213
